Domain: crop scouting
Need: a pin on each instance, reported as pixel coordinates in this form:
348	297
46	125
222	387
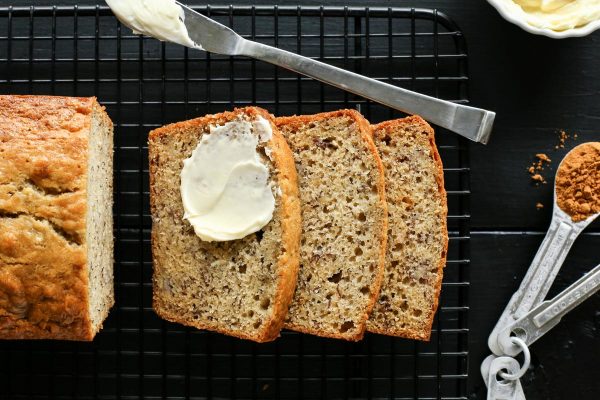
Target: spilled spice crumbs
538	177
537	166
562	138
542	161
543	157
578	182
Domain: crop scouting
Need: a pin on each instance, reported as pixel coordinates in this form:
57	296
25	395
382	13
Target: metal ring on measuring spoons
526	361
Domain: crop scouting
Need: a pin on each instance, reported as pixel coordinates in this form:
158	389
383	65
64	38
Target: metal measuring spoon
491	367
547	262
537	322
548	314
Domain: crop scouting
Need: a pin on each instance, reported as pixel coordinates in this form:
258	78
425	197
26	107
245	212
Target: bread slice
344	223
56	237
417	233
243	287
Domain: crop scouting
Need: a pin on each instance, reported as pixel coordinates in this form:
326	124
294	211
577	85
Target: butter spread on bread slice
240	287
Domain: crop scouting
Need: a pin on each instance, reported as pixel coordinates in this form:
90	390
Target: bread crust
388	127
287	265
43	187
365	130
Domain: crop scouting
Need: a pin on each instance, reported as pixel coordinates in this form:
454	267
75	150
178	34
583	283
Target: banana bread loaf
56	238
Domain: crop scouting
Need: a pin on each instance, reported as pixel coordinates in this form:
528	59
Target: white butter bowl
510	13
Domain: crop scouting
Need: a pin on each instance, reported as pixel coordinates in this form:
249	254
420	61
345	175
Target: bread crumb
539	206
578	182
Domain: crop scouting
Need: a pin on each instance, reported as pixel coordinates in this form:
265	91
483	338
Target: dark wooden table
536	86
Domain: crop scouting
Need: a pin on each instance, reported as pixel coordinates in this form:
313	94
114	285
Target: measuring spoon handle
537	322
540	275
568	299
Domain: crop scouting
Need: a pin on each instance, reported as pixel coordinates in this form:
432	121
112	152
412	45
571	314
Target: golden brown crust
43	186
289	215
295	122
292	229
389	127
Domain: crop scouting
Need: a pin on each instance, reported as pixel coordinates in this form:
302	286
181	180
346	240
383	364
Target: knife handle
473	123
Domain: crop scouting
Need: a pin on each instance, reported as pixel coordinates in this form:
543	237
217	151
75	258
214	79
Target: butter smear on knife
160	19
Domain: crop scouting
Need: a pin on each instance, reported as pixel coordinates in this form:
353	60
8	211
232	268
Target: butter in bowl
556	19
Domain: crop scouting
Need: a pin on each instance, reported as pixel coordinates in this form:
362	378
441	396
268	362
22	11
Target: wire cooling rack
145	83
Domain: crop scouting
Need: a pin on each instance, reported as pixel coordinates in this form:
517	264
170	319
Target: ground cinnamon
578	182
543	157
537	166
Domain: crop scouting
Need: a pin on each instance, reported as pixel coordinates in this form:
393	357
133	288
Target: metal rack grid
145	83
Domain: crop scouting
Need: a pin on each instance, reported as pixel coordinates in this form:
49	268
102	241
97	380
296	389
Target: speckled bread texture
56	239
242	287
417	233
344	223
